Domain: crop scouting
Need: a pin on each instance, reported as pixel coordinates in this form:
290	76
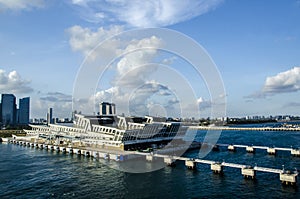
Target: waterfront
34	173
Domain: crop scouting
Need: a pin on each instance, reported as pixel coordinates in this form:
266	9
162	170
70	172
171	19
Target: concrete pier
295	152
69	150
62	149
77	151
95	154
149	158
248	172
190	164
169	161
231	147
250	149
106	156
216	167
56	148
51	147
271	151
288	178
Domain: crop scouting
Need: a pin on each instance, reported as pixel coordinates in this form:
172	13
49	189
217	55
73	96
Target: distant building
8	109
24	111
107	108
50	116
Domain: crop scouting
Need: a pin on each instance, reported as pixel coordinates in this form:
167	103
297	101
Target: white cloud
21	4
203	104
13	83
147	13
284	82
84	39
288	81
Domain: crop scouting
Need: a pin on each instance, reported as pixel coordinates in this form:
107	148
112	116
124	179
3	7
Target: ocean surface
35	173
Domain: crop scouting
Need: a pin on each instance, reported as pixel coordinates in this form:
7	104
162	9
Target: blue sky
254	44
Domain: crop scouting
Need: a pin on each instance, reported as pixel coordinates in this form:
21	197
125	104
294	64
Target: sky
73	54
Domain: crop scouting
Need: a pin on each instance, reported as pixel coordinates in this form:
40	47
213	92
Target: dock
248	171
228	128
251	149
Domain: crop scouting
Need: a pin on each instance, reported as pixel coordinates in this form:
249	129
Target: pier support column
190	164
271	151
288	178
95	154
106	156
250	149
69	150
77	151
248	172
169	161
231	147
51	147
149	158
216	167
62	149
295	152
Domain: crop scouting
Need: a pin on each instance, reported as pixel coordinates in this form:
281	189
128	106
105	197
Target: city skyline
255	46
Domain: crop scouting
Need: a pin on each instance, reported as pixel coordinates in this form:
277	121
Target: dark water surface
34	173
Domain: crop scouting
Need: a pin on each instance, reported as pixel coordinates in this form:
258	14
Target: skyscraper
8	109
49	116
24	111
107	108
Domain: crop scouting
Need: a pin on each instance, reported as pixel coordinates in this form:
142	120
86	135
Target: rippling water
34	173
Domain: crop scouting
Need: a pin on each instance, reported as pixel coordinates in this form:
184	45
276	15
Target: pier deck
227	128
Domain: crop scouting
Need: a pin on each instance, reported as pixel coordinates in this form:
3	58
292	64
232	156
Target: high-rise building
107	108
49	116
24	110
8	109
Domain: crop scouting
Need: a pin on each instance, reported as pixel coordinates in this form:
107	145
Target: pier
286	177
228	128
252	149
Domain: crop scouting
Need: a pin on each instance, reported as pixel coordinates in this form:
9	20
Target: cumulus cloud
21	4
288	81
284	82
147	13
132	73
84	39
12	82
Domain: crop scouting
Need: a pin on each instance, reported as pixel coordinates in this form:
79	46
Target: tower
107	108
24	111
8	109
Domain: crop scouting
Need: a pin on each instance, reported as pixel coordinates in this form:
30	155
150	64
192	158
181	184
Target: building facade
24	111
8	109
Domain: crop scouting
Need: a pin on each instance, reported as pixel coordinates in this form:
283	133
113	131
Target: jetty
248	171
228	128
251	149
